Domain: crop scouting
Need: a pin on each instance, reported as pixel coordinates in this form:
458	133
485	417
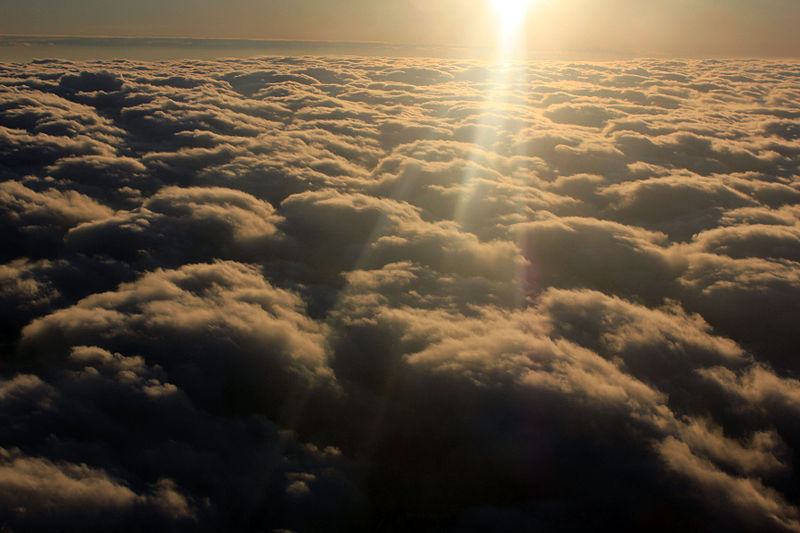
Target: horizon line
10	40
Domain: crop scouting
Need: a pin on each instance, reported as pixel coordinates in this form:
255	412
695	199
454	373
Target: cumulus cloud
36	488
306	294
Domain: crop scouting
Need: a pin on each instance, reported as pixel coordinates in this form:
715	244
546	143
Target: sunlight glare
511	13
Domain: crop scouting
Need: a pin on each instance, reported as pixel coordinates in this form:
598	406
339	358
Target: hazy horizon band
25	48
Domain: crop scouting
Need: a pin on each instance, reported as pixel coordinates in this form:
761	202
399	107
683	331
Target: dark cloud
365	294
91	81
592	116
574	252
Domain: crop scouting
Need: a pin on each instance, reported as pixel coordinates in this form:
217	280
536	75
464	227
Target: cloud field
305	294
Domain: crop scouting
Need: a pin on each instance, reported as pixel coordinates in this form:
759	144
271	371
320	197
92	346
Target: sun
511	12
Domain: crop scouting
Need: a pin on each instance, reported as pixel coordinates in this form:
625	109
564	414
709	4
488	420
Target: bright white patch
511	12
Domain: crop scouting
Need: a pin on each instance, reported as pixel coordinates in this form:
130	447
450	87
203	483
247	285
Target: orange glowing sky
751	28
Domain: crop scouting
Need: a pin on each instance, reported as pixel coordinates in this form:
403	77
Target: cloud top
345	294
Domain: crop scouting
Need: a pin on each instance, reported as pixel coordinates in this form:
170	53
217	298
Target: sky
693	28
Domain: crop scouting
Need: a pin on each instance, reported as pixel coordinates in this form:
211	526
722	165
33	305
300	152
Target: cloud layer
300	294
